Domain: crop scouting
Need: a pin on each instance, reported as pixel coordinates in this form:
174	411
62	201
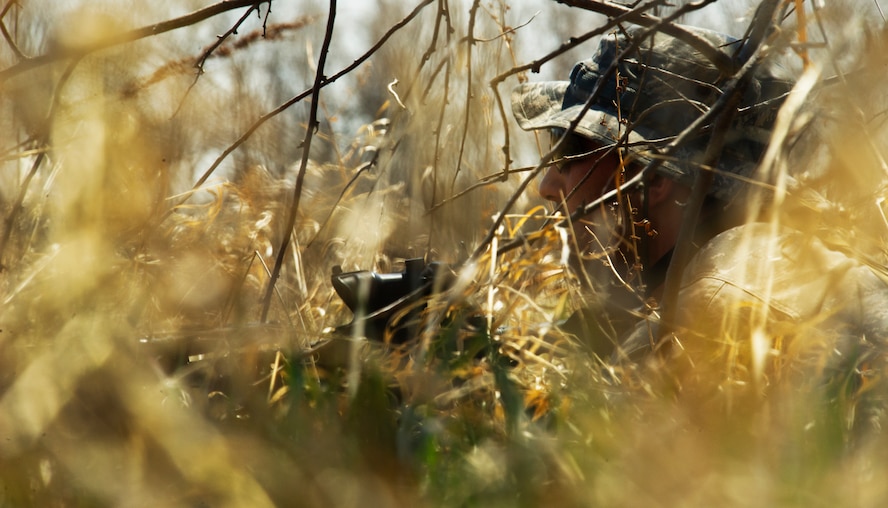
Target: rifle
374	298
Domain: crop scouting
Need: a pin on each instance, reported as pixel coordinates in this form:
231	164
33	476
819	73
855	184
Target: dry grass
114	270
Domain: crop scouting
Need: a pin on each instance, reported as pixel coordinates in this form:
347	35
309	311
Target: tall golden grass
135	368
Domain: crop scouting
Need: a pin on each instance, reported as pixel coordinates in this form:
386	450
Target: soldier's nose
551	187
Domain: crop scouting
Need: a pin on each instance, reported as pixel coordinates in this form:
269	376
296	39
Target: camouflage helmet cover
665	84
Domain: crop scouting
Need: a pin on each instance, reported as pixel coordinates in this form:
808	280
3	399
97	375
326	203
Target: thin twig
573	42
9	4
43	139
78	51
210	50
6	34
12	45
482	182
220	39
723	113
605	198
718	58
358	172
286	105
431	81
535	65
546	159
300	177
426	57
841	77
508	31
265	19
470	46
182	65
433	44
444	12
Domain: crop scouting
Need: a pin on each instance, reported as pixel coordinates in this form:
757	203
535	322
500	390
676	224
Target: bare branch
12	45
662	25
183	65
723	113
78	51
470	43
222	38
536	64
300	177
443	12
718	58
509	30
303	166
6	35
283	107
213	47
42	138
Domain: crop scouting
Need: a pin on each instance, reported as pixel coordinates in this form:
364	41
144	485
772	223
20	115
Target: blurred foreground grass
106	244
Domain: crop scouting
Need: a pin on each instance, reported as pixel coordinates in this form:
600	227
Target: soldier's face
581	173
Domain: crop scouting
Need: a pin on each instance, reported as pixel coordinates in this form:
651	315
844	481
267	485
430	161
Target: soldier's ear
661	189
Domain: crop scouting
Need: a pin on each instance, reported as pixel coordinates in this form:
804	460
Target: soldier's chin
599	241
598	234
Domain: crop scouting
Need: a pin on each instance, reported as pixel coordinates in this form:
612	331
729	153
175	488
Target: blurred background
145	185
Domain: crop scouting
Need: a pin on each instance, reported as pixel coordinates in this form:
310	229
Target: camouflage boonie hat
666	84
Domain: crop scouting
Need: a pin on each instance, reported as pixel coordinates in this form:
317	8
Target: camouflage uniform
750	291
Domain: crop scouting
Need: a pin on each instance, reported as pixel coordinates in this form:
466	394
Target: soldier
625	169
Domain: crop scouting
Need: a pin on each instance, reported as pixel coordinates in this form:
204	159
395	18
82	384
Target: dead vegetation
150	356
